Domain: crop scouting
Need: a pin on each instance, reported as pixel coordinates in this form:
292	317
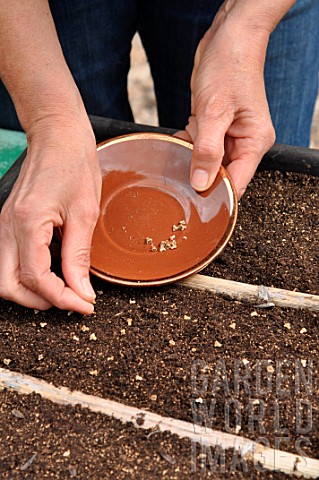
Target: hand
230	121
59	186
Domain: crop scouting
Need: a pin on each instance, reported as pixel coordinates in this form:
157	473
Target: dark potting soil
41	440
275	242
190	355
155	349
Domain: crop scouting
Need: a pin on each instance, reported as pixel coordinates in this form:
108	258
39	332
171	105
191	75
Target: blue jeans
96	39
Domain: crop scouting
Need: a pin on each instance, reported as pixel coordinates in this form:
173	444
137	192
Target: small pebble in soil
217	344
166	457
72	471
93	336
303	330
17	413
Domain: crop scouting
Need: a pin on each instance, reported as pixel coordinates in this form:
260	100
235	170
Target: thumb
208	150
76	250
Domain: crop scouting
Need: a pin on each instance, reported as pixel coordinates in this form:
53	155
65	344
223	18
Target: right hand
59	186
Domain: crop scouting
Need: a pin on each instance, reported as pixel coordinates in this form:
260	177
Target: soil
74	443
156	348
146	343
275	242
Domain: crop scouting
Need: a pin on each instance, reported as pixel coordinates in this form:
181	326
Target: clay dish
146	200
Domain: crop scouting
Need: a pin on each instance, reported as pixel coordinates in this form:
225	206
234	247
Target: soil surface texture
185	353
42	440
157	349
275	242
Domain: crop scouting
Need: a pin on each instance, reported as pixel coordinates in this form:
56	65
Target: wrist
42	101
257	15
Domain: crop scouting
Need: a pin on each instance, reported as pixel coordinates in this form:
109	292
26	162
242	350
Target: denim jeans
96	39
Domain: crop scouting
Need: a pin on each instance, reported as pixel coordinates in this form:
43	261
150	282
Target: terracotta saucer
153	227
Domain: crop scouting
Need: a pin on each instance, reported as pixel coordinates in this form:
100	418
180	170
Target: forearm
32	65
243	27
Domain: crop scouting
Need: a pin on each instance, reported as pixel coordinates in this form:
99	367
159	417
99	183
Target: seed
180	226
164	245
173	245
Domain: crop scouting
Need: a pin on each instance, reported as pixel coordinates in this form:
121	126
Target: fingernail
87	287
199	179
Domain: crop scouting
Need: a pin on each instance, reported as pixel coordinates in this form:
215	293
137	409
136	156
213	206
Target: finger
11	287
242	171
76	250
208	151
183	135
191	128
35	273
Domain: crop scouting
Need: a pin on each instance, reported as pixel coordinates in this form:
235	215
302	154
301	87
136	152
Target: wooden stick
253	294
268	458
